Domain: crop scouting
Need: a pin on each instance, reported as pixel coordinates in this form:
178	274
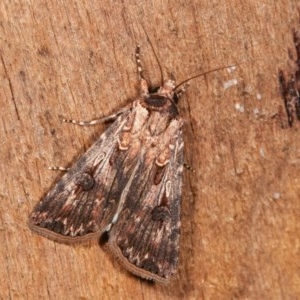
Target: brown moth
127	186
126	189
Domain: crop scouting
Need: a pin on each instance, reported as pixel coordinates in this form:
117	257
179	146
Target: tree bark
240	208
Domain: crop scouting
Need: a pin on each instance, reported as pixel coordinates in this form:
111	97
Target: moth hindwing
126	187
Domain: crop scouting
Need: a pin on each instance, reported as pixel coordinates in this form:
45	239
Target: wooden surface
241	207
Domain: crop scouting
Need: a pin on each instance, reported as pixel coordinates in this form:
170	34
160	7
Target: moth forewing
76	208
145	237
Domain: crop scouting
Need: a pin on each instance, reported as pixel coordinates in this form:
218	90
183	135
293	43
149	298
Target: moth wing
78	207
145	237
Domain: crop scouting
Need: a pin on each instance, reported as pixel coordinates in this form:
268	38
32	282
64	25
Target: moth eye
154	89
85	181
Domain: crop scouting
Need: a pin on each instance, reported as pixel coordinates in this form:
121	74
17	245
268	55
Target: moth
125	189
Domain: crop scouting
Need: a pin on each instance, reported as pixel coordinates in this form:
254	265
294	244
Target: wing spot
85	181
150	266
160	214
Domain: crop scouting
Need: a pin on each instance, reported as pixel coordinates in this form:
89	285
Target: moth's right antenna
204	73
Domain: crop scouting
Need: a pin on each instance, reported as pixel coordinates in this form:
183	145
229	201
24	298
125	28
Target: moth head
167	89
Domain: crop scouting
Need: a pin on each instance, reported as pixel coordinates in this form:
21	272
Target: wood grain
240	211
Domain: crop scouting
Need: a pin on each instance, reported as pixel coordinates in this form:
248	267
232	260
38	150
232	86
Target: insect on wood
126	188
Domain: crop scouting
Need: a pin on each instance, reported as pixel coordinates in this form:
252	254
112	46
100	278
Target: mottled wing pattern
145	236
79	206
126	188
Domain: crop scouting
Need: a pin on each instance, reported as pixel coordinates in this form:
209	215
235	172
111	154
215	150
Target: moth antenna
156	57
202	74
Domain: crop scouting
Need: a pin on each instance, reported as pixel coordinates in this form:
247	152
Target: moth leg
110	118
59	169
143	83
188	167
